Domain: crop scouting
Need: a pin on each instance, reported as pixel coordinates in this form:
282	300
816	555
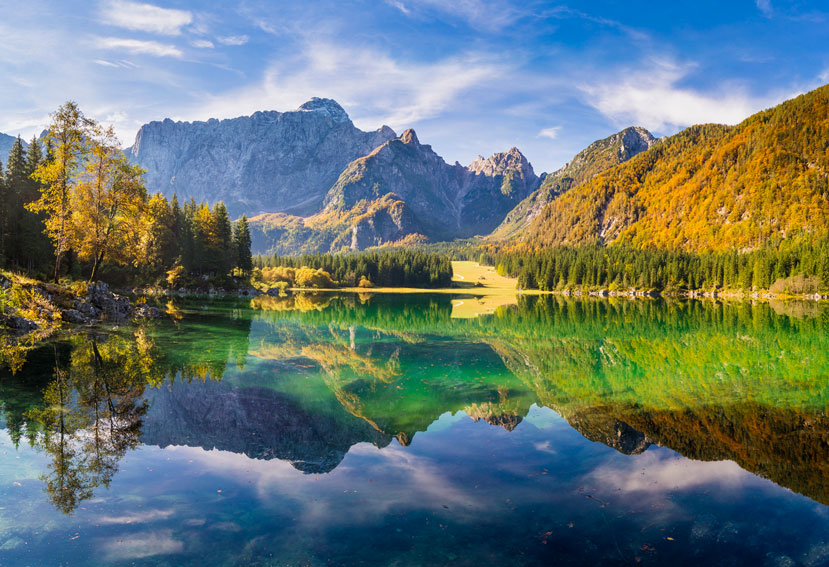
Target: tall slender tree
17	180
241	239
67	141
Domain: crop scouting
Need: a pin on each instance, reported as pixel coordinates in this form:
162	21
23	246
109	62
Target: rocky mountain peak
267	162
326	106
634	140
409	137
501	162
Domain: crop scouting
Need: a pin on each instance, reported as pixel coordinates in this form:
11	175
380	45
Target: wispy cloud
145	17
765	7
487	15
202	44
104	63
380	88
652	97
233	39
139	46
399	5
551	133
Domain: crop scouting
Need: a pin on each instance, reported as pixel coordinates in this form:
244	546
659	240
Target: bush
309	277
796	284
365	282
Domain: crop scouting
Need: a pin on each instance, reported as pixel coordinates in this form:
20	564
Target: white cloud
141	545
104	63
233	40
653	98
655	473
369	83
551	133
145	17
399	5
202	44
765	7
139	46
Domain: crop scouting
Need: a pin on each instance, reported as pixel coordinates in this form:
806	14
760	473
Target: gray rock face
20	324
446	201
387	224
267	162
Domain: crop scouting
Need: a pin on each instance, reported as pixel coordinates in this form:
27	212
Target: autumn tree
67	141
107	203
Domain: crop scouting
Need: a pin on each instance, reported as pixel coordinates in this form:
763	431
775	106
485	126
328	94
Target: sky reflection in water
371	432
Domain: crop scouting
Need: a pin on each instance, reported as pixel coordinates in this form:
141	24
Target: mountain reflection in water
305	378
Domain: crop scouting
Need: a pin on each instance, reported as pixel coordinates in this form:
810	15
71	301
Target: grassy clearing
486	290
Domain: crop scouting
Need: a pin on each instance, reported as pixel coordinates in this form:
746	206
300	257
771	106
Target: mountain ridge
257	162
709	187
589	162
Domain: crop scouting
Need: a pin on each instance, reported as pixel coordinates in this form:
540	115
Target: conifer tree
16	184
222	239
241	239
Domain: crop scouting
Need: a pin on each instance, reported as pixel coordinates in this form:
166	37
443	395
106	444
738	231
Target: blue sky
471	76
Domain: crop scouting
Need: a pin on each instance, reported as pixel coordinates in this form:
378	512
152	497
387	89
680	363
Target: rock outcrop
447	201
599	156
267	162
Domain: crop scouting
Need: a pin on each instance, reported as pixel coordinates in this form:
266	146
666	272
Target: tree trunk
57	266
99	259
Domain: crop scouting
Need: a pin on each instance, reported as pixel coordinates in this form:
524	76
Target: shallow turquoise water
334	430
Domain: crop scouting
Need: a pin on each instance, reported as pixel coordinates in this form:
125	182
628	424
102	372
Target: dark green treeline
394	267
792	267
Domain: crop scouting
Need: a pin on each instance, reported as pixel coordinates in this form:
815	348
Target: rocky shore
39	306
694	294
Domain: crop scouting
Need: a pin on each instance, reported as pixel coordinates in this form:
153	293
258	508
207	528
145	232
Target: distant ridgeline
688	208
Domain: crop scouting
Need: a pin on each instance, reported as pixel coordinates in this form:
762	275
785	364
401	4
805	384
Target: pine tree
17	173
35	248
222	239
241	238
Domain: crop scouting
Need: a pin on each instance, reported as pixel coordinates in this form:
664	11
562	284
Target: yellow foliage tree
67	138
108	204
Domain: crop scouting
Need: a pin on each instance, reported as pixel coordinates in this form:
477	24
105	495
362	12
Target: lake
381	430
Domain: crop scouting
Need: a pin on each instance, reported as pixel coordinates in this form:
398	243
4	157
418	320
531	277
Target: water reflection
303	379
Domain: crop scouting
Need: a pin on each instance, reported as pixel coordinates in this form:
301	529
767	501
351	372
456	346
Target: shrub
796	284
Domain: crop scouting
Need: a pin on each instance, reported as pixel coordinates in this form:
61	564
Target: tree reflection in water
91	416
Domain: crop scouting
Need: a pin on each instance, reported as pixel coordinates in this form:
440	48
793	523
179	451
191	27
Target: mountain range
6	143
311	181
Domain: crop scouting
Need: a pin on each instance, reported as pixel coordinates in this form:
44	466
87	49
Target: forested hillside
708	188
596	158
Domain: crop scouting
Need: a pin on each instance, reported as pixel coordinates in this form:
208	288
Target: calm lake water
347	430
